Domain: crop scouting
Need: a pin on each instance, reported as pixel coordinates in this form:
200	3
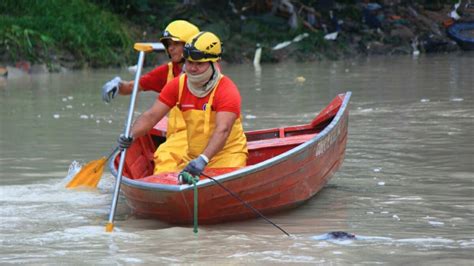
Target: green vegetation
69	30
99	33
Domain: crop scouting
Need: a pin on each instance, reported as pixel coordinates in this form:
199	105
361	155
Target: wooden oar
90	173
142	48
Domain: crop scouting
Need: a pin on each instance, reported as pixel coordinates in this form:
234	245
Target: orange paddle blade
89	175
109	227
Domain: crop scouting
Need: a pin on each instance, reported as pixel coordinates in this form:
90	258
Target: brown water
406	188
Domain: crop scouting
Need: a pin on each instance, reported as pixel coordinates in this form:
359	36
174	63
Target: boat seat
292	141
260	150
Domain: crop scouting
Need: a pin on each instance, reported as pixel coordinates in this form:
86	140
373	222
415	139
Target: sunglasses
195	54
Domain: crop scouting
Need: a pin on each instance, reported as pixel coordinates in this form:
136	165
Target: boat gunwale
243	171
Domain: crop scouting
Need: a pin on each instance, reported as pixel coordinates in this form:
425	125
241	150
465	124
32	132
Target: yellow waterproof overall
199	126
171	152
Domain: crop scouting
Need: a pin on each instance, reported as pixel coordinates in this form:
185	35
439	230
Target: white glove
110	89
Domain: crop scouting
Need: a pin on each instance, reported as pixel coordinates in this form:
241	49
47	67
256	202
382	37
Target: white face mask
202	84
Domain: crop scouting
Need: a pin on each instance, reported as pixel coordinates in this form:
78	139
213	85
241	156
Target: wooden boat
463	34
286	167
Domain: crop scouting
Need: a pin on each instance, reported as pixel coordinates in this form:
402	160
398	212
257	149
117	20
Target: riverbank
291	31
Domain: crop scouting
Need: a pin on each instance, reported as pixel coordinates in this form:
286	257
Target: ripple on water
426	242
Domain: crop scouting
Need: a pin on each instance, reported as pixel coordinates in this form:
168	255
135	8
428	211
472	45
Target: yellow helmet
203	47
178	31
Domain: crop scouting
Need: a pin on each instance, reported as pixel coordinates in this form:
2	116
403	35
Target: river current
406	187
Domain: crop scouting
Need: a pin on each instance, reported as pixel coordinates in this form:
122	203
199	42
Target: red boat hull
286	167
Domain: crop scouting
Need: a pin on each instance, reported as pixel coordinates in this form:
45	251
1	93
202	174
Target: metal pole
110	225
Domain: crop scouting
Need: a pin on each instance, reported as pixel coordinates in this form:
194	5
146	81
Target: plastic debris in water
257	56
300	79
331	36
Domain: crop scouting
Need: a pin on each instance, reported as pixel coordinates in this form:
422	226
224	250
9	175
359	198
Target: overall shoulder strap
170	72
207	111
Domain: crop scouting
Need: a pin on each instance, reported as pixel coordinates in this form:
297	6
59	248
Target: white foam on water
436	223
426	241
132	260
49	193
275	256
55	192
456	99
366	110
466	243
407	198
82	235
94	231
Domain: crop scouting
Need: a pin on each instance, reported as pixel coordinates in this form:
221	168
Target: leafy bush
93	36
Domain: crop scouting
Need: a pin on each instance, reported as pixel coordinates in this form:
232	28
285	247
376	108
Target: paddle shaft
112	153
246	204
110	224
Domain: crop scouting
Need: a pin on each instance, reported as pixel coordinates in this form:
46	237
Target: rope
186	178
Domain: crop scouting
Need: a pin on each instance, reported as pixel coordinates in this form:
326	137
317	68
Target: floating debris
300	79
